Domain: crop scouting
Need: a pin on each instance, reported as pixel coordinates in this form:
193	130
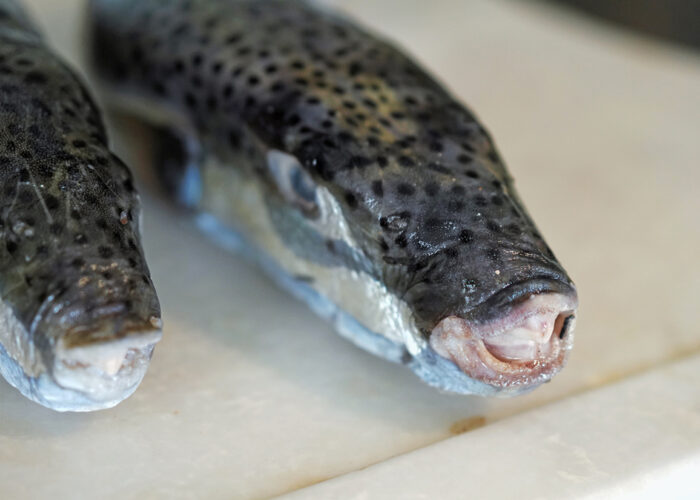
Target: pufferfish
350	176
79	316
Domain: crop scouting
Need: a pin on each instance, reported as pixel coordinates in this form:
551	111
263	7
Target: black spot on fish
466	236
405	189
351	200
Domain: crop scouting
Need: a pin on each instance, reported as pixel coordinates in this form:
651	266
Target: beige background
249	395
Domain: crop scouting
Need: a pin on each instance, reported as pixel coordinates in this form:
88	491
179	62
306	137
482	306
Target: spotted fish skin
78	314
431	213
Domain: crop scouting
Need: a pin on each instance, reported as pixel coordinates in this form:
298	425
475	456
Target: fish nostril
563	323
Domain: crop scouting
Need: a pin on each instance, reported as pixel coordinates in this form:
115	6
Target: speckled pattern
70	253
418	177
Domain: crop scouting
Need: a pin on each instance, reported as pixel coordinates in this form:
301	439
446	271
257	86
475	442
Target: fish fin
178	158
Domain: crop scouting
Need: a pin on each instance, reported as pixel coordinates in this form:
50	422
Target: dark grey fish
351	176
79	315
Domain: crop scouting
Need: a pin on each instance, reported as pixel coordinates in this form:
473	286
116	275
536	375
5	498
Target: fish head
86	315
440	225
102	322
483	285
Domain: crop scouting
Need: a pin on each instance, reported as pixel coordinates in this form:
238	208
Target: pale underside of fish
78	313
352	177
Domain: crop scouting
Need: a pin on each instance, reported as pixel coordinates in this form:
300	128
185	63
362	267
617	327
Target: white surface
636	439
249	395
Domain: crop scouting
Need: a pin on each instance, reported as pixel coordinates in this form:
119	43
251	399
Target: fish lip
69	387
98	357
110	368
81	336
472	343
502	302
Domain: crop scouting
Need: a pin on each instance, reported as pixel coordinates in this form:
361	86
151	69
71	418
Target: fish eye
293	182
302	185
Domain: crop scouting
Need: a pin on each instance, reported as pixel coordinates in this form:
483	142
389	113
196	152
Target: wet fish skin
78	312
431	213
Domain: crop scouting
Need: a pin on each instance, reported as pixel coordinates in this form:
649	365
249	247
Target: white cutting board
250	396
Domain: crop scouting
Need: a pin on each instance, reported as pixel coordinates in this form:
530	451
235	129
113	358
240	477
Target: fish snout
517	350
102	330
110	370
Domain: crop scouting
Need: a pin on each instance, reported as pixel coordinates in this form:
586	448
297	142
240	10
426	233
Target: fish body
78	312
351	176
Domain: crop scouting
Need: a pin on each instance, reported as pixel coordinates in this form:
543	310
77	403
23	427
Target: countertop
249	395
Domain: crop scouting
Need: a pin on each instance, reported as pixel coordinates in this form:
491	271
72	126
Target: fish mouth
520	349
108	362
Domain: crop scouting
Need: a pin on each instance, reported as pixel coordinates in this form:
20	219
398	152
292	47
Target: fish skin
73	278
425	194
